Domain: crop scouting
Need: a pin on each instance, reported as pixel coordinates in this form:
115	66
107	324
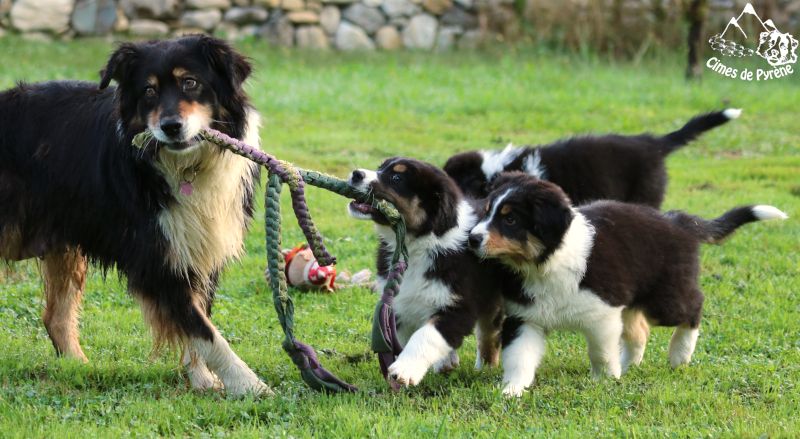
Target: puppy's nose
357	177
475	241
171	126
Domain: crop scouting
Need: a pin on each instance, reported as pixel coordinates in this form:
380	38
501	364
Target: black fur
70	178
588	168
640	258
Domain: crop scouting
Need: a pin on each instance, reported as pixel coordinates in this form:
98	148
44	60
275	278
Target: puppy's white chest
560	306
419	297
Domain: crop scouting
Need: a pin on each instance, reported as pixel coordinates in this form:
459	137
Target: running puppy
168	216
446	289
588	168
607	269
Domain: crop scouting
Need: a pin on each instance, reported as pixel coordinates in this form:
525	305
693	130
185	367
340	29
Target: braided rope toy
384	331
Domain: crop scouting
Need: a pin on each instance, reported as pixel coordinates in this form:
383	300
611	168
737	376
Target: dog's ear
119	64
225	60
511	178
552	217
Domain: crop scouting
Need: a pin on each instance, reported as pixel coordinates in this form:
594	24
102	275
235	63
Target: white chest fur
420	296
558	301
206	228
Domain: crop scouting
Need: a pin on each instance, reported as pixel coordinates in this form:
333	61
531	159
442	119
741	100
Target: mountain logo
749	35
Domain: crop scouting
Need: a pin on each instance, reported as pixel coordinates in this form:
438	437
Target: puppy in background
607	269
588	168
446	290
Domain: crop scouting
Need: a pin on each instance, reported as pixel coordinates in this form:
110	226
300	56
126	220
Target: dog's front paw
407	373
512	390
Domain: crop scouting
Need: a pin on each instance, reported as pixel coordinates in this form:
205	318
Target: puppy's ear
512	178
552	218
225	60
119	64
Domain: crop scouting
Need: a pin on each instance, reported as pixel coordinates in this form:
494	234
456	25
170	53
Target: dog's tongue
186	188
362	207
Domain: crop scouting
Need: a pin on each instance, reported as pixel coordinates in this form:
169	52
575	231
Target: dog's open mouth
361	210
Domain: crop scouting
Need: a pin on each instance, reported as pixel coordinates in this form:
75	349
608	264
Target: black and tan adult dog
606	269
588	168
168	216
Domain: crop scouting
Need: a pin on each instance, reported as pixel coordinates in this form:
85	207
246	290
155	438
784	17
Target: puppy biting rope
384	333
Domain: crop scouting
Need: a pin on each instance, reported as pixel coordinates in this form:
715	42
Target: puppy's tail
696	126
716	230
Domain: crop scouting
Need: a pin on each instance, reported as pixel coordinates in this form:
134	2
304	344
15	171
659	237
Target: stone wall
319	24
624	26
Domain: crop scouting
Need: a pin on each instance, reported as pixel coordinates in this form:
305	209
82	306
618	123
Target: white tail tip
732	113
764	212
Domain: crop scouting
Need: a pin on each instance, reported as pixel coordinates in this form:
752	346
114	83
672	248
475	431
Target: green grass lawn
336	112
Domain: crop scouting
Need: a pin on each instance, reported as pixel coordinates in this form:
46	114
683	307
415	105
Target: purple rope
296	188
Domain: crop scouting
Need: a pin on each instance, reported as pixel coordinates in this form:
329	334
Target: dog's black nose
357	177
171	126
475	241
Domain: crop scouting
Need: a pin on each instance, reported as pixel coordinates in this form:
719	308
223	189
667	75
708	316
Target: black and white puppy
446	289
588	168
168	216
607	269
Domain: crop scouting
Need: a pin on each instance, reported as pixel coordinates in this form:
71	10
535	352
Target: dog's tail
696	126
716	230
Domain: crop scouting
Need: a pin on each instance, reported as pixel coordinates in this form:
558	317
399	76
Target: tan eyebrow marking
505	210
179	72
152	81
399	168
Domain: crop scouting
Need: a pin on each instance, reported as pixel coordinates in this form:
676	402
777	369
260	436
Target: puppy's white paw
512	390
448	364
407	373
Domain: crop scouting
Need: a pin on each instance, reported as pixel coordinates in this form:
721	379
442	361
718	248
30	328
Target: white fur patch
494	162
521	358
237	378
533	165
732	113
425	348
764	212
206	229
682	344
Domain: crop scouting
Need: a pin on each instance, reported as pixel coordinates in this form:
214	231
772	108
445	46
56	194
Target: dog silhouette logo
748	35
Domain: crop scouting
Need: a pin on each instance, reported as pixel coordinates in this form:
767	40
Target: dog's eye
150	92
510	220
397	178
189	84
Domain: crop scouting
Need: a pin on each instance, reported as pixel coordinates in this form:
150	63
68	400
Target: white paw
203	379
448	364
512	390
600	373
246	383
679	360
407	373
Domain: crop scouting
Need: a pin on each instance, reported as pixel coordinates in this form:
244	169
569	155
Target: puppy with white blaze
446	290
608	270
167	216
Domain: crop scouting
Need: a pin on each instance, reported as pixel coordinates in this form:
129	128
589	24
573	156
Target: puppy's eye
189	84
150	92
397	178
510	220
